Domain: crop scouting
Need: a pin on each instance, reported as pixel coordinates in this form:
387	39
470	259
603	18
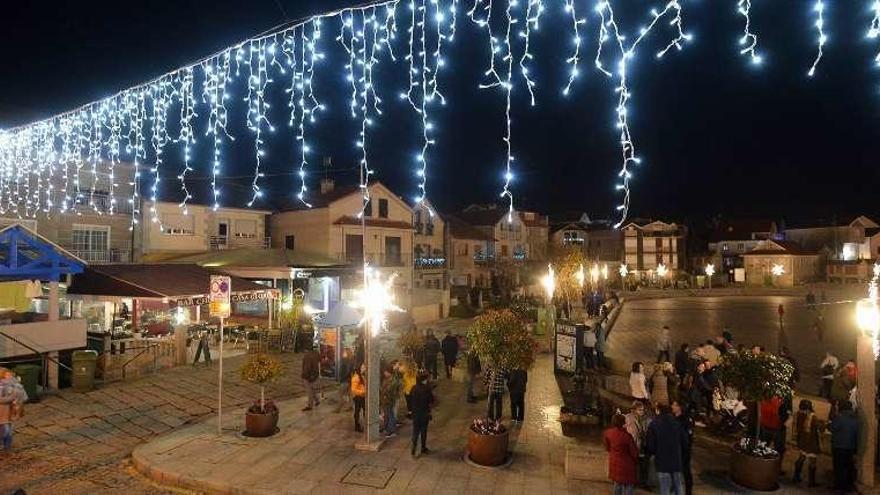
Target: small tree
567	264
410	343
504	339
261	369
757	377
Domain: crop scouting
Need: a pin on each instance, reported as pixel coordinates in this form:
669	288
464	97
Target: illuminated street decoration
777	270
376	299
549	283
580	275
68	162
623	271
710	270
662	271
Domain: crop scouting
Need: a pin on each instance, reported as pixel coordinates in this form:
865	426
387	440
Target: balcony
483	258
218	242
429	262
119	252
389	260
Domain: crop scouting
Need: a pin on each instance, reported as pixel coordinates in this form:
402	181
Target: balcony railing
118	252
217	242
429	262
376	259
480	257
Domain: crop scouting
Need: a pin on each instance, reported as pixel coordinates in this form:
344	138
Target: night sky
717	135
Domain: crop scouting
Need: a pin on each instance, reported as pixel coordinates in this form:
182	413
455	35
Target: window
504	250
178	224
91	239
354	248
383	208
246	229
368	209
289	242
463	250
392	250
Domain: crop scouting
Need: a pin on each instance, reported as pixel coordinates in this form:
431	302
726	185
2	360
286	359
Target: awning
179	284
260	258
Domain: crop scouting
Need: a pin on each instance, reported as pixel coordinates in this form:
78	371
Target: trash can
30	377
84	363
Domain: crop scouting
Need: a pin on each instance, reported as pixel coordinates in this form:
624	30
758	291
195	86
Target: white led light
821	38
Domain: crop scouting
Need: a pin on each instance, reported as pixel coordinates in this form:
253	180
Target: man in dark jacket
449	347
682	362
432	349
665	441
516	385
687	424
421	399
310	372
473	370
844	441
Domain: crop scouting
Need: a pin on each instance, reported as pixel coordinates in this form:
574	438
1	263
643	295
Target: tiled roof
459	229
483	217
374	222
785	247
739	230
318	200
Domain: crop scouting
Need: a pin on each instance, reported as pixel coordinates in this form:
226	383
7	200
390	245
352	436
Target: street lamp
710	270
376	299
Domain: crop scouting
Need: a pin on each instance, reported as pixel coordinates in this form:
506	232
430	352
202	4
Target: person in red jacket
623	456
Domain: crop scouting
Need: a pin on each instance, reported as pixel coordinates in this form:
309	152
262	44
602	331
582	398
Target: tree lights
64	163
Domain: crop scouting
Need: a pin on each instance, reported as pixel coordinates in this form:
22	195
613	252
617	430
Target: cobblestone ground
80	442
751	319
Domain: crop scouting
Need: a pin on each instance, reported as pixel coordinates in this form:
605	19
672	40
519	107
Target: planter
488	450
260	424
754	472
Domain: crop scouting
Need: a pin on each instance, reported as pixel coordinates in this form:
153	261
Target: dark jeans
844	468
431	365
662	356
589	358
450	363
419	430
517	405
600	360
360	404
825	390
687	473
495	406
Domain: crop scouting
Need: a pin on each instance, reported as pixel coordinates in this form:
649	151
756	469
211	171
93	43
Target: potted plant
757	377
261	419
504	342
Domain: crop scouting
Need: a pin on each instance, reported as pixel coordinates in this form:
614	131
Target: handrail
143	350
39	353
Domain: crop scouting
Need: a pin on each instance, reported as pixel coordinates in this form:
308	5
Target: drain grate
369	475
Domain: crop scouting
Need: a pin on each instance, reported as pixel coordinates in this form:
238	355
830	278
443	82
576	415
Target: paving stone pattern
80	442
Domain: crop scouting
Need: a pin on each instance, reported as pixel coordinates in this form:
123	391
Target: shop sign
220	296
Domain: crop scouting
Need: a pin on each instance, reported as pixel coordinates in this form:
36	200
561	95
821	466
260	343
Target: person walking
623	455
687	424
345	369
10	406
636	425
845	380
449	347
808	429
310	372
432	350
359	395
664	345
844	441
495	383
665	442
589	342
473	370
682	361
422	400
828	367
638	383
516	385
409	374
601	346
388	401
660	383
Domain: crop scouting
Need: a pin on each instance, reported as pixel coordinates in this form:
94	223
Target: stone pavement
80	442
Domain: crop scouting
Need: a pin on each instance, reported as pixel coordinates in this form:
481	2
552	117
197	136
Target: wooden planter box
488	450
579	419
260	425
754	472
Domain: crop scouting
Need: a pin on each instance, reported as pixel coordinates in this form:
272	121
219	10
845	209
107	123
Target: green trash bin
84	363
30	377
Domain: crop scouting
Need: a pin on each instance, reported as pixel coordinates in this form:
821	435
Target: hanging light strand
821	37
575	56
534	9
749	40
187	136
874	30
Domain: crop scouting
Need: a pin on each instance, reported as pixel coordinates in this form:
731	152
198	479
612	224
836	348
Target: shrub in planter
261	418
757	377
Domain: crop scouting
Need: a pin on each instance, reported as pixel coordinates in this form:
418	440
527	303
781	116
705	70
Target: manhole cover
368	475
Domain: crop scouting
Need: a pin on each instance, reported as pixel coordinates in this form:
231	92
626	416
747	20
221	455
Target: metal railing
217	242
377	259
116	252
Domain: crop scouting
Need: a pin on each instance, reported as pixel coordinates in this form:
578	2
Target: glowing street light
605	271
867	350
549	283
777	270
594	273
580	276
623	271
710	270
376	299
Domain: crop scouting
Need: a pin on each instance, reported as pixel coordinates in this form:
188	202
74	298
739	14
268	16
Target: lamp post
376	299
868	319
710	270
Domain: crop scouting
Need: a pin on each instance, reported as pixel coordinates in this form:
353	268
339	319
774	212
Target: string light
627	53
187	114
819	9
257	108
749	40
874	30
534	9
575	57
486	24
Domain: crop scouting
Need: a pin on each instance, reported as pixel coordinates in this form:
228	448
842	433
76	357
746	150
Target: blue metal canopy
26	255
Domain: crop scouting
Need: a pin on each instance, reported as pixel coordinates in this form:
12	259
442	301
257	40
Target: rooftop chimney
327	185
